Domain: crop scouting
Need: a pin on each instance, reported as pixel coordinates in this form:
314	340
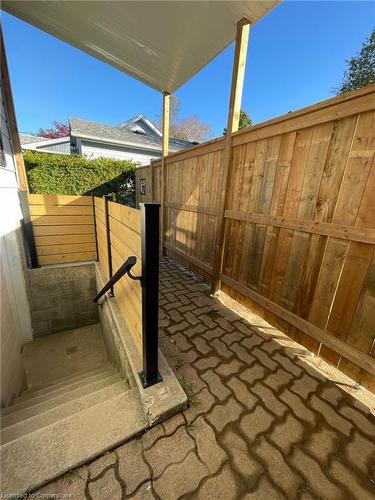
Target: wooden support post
165	150
152	196
106	198
238	74
20	165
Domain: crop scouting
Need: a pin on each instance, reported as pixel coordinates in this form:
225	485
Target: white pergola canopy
161	43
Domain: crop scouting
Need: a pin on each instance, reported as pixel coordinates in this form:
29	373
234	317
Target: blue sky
296	57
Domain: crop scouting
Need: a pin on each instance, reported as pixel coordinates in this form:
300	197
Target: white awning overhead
161	43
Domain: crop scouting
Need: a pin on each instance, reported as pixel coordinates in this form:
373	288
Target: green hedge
64	174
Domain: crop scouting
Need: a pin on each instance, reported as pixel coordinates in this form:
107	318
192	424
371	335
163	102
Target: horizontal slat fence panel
124	236
299	224
63	228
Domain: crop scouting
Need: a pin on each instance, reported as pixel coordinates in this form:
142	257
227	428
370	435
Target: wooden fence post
165	150
108	238
239	63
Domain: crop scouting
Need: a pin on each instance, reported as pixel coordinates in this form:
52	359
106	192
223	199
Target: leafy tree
59	129
245	121
360	69
187	129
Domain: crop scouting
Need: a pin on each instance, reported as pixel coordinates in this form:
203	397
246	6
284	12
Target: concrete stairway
58	425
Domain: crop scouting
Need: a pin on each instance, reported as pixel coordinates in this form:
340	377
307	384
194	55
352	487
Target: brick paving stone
206	363
264	491
288	365
322	443
231	368
178	327
208	449
264	358
131	466
216	386
191	376
271	347
97	466
318	482
251	375
366	424
144	492
360	453
224	323
191	318
181	479
173	423
224	414
207	320
181	342
220	487
243	354
214	333
304	386
298	406
253	341
359	489
175	316
255	423
331	416
332	394
169	450
152	435
201	345
278	379
232	337
106	486
287	434
245	328
241	392
221	349
279	471
273	404
202	404
195	330
241	459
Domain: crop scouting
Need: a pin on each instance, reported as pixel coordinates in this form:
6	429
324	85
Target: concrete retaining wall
61	297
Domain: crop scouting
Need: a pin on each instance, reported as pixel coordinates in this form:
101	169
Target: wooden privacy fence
299	223
63	228
118	230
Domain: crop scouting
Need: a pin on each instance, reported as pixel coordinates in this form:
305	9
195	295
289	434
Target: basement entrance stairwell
91	383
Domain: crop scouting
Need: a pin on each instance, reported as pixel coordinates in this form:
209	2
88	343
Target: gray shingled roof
107	133
29	139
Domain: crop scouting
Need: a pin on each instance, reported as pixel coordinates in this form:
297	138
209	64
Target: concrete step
16	428
69	382
38	457
63	395
65	380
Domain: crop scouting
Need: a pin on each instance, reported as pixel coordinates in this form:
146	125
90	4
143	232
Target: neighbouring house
137	139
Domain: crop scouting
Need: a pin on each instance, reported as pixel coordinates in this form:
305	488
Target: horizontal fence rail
63	228
299	223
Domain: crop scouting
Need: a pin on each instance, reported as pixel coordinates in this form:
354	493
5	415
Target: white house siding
94	150
62	148
15	326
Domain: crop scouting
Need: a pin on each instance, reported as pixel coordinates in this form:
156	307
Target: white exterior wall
92	150
15	326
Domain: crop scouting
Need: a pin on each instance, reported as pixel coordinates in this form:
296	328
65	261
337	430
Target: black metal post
27	231
106	198
150	292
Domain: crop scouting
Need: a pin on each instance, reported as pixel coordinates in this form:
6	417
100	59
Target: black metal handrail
124	269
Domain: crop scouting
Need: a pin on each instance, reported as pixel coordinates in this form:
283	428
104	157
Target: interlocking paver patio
263	421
